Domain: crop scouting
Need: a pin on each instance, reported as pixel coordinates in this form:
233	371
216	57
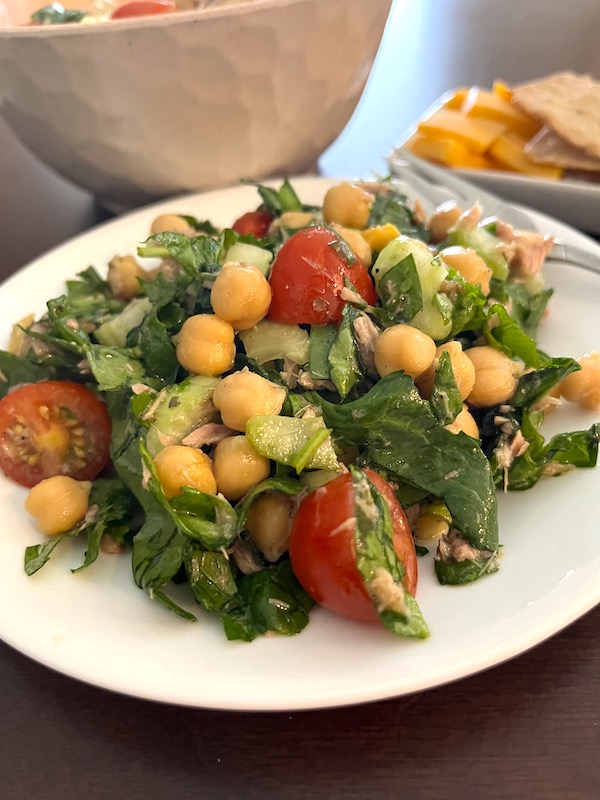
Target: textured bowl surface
137	110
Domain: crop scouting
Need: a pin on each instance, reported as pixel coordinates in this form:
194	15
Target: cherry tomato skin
143	8
323	554
253	223
53	428
307	279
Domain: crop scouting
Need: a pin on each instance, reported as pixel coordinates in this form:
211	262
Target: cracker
569	104
546	147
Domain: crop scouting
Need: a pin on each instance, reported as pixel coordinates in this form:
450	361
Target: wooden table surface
528	729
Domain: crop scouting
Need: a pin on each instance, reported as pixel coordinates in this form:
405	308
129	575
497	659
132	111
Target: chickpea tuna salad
291	410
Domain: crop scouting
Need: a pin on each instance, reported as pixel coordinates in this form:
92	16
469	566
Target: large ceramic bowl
138	109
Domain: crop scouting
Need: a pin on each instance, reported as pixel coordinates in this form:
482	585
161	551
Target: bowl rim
243	7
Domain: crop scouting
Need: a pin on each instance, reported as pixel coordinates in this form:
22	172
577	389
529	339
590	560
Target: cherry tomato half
53	428
254	223
143	8
323	554
308	275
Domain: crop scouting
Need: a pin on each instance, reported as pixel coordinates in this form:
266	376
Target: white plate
98	627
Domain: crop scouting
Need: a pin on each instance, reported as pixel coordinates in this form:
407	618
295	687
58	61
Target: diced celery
183	407
114	332
268	341
301	443
431	272
245	253
318	477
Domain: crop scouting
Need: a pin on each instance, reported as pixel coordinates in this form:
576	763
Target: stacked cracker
568	107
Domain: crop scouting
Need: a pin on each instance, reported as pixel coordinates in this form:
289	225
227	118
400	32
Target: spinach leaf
19	369
89	297
378	565
459	573
210	576
207	518
563	452
321	340
532	386
158	550
397	430
278	201
526	309
202	226
392	207
159	546
445	400
503	333
113	368
344	367
399	290
157	348
270	600
467	304
196	254
112	509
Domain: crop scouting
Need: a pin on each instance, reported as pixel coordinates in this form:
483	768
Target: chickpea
583	387
443	219
470	265
178	466
465	422
123	277
58	503
462	367
268	523
356	242
240	295
496	376
206	345
171	223
347	204
238	467
244	394
403	347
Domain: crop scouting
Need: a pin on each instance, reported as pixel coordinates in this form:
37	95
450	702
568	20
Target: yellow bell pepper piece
483	104
508	150
446	151
380	235
475	134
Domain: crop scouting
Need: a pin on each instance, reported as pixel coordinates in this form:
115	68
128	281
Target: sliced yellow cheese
457	98
475	134
448	151
501	89
508	150
482	104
